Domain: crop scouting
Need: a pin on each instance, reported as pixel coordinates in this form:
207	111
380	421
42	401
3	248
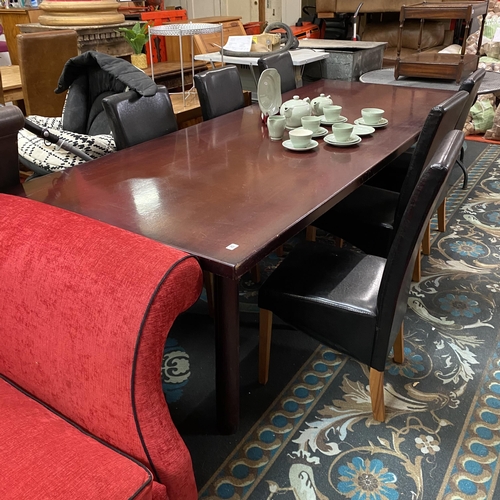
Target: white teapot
294	109
318	102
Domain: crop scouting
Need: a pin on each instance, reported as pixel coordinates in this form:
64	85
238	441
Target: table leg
227	356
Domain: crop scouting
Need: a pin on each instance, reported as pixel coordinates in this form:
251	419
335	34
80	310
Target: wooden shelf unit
433	64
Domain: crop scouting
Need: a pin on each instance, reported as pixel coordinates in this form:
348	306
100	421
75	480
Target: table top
344	45
299	57
385	76
167	68
444	10
11	78
221	190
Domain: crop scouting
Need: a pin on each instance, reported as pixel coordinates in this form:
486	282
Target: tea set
305	120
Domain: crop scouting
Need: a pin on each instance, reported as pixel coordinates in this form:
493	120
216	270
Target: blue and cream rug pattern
441	437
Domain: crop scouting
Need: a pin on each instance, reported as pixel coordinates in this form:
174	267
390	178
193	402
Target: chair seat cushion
36	152
364	218
329	293
45	457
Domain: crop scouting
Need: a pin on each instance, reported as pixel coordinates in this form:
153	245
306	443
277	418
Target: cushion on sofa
66	463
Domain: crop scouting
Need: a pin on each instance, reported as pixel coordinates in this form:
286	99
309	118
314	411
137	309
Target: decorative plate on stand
269	92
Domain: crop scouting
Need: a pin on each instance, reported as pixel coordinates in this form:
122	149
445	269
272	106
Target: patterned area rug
441	438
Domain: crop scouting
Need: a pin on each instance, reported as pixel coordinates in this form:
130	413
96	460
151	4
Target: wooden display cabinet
434	64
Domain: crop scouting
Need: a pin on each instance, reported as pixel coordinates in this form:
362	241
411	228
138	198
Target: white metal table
180	30
300	57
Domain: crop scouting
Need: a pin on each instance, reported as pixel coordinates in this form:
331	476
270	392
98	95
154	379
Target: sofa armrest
11	121
88	312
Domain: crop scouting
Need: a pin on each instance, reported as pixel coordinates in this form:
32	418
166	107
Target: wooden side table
432	64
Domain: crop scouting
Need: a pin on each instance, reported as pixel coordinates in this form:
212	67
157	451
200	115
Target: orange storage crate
157	18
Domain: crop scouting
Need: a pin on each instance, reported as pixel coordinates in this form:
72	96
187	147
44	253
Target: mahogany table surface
223	191
224	182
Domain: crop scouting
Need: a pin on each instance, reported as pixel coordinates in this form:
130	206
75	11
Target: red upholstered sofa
85	309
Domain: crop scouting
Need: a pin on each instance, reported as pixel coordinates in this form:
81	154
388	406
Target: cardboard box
265	42
324	6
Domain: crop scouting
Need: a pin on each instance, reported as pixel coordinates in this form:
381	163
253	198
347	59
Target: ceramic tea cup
332	112
342	131
311	122
371	116
300	137
276	126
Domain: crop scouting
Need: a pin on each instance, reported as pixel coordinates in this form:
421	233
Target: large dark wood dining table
223	191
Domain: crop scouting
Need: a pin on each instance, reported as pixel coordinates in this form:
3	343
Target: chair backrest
395	284
42	56
470	85
282	62
91	77
440	120
11	121
219	91
134	118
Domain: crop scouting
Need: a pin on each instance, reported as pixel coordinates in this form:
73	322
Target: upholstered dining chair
219	91
470	85
392	176
352	301
282	62
369	217
42	57
134	118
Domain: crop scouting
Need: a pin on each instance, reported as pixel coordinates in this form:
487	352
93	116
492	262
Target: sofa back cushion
432	34
86	309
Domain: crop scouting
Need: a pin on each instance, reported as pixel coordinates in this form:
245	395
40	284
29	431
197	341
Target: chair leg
442	216
464	170
417	269
310	233
399	347
265	330
426	240
377	394
255	273
208	282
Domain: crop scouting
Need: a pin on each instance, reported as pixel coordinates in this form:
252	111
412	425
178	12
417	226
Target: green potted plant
137	37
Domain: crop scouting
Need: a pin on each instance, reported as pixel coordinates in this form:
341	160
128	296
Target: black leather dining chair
134	119
283	63
352	301
219	91
392	177
369	216
470	85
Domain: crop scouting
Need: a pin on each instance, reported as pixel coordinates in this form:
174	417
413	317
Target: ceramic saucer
381	123
330	139
324	121
320	133
362	130
288	145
